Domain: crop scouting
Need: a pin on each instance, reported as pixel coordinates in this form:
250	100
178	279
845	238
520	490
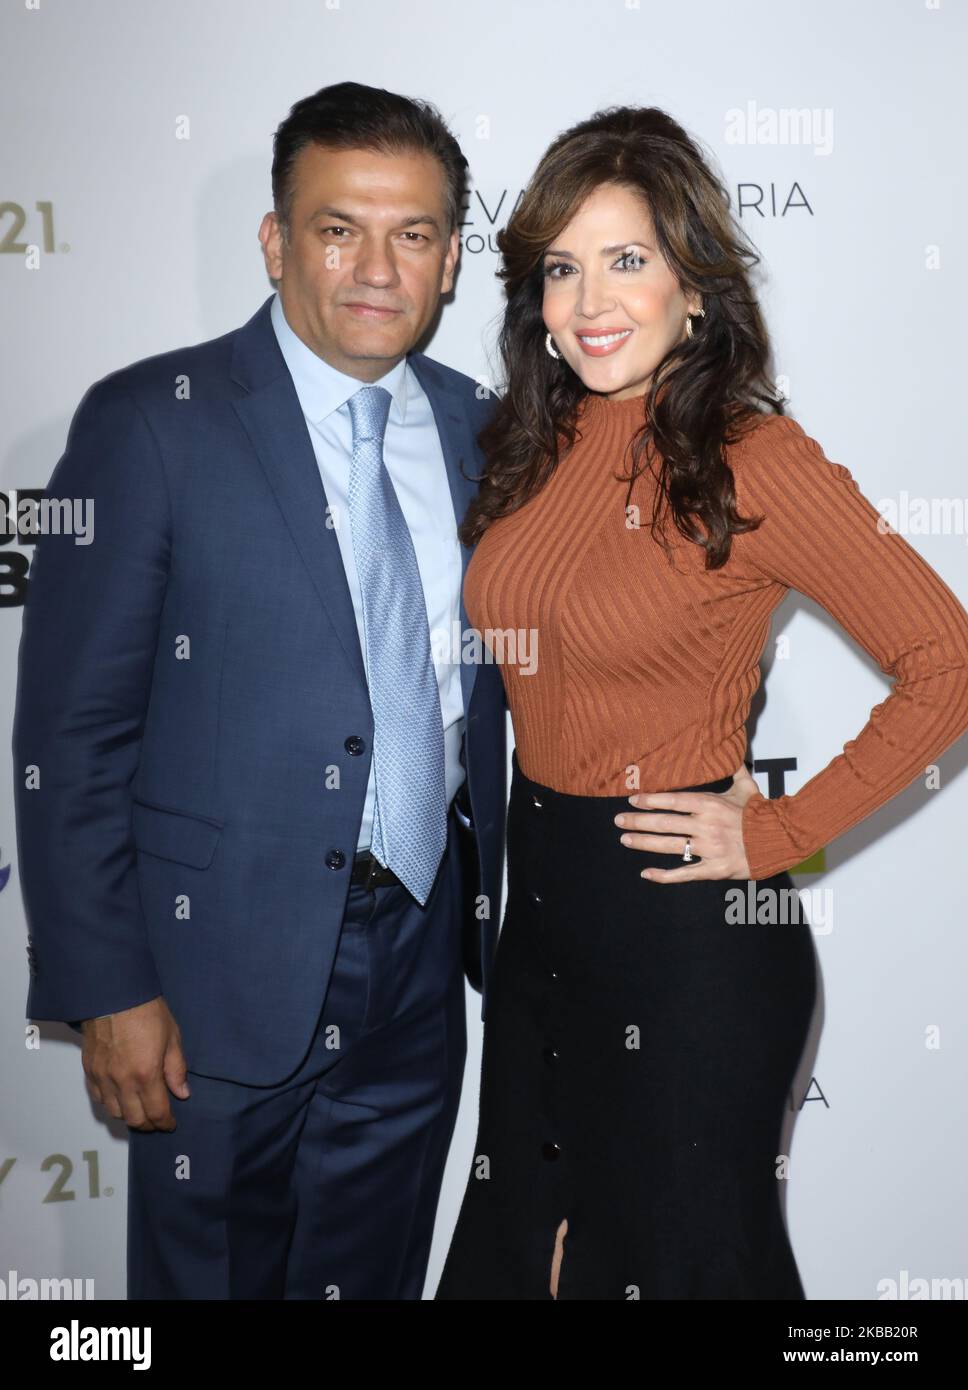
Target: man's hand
131	1059
712	822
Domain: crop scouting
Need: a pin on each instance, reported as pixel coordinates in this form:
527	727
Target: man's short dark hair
350	116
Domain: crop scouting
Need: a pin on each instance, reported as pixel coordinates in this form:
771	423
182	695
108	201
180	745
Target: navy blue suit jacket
189	684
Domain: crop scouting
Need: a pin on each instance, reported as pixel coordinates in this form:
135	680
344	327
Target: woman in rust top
645	509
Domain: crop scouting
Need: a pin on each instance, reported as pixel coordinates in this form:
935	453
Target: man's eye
419	235
334	229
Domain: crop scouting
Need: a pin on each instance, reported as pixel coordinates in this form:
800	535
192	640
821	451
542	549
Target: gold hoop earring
549	345
689	318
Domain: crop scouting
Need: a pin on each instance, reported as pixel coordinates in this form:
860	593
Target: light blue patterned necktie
410	815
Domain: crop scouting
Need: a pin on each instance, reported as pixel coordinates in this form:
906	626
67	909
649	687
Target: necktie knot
369	411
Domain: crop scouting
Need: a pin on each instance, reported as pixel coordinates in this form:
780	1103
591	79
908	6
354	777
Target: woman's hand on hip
711	821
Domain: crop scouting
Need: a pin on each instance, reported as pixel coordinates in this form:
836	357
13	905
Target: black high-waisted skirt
640	1045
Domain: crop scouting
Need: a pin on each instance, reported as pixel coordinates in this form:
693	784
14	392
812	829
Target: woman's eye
630	260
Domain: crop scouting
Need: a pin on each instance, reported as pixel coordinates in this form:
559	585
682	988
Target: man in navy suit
237	693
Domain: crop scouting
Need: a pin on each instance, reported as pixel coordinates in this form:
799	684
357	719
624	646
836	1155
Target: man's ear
270	236
450	261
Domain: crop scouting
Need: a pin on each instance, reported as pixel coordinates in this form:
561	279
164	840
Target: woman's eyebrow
606	250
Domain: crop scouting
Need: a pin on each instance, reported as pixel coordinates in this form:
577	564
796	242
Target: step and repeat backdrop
136	152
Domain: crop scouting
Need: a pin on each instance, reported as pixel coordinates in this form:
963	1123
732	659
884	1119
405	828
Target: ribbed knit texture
650	665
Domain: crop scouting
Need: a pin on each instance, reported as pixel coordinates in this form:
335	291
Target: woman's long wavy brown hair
705	393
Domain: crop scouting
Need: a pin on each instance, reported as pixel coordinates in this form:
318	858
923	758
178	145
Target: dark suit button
535	898
335	859
354	744
550	1055
550	1151
536	801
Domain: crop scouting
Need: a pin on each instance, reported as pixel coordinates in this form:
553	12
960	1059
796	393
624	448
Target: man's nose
375	264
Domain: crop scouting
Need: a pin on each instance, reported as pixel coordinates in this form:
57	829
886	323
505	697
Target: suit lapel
274	422
273	419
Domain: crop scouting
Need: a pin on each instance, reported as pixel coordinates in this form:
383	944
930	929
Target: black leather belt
370	873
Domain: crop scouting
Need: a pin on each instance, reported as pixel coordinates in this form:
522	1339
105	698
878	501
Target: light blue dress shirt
415	462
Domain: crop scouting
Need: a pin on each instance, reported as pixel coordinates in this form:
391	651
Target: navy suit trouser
326	1185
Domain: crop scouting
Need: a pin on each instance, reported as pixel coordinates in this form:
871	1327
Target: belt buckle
374	871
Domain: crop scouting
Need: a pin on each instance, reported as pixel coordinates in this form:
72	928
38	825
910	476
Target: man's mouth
371	311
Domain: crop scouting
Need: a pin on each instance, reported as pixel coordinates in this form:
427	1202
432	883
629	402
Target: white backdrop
149	242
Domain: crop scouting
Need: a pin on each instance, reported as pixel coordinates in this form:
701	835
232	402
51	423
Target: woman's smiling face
611	303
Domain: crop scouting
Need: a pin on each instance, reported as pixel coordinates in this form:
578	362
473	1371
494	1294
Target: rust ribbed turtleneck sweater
646	664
